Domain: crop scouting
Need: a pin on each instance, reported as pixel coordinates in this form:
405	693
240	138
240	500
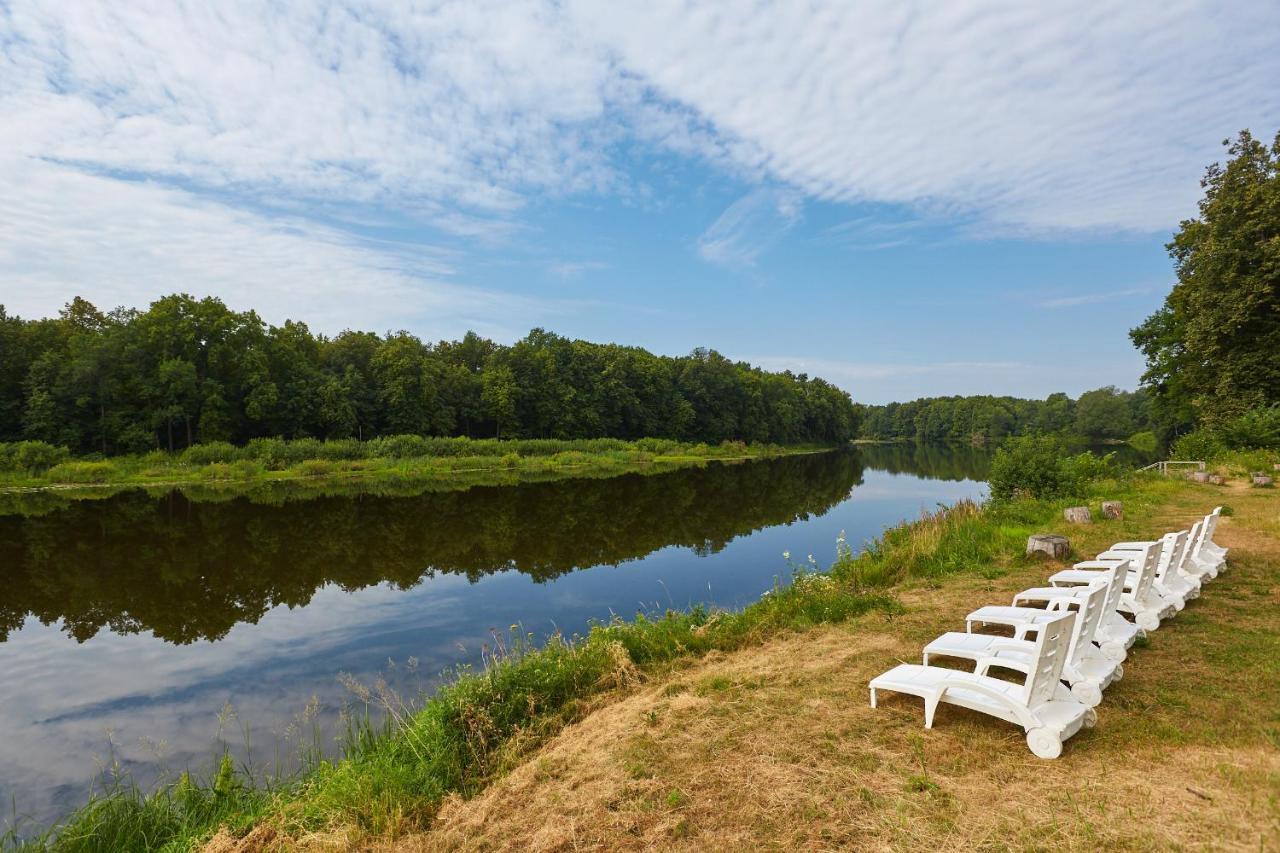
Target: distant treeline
187	371
1105	413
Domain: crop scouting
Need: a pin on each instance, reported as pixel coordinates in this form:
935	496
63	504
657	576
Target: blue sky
907	199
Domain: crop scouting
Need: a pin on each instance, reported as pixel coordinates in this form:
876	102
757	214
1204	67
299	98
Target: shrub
271	452
314	467
214	451
398	446
81	472
343	450
1034	466
1197	445
34	457
1258	429
247	469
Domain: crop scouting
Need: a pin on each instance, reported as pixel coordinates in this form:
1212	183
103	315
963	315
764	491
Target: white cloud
125	243
1094	298
750	226
1009	117
1028	117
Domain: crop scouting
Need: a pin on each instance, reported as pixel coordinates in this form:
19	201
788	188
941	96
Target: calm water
145	633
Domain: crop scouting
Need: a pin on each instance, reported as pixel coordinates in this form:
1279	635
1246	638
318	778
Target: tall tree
1211	348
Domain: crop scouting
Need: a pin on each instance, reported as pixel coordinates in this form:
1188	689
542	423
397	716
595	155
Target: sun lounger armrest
1130	546
1105	565
1008	663
1011	645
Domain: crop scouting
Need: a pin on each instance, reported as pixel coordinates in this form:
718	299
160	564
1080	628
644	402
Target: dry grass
775	747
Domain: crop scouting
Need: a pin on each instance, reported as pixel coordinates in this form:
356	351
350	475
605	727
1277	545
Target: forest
1102	414
191	370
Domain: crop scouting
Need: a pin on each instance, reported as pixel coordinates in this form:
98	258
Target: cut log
1050	545
1078	515
1217	479
1200	476
1261	480
1112	509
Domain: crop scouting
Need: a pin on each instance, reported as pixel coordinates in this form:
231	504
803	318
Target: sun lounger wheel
1148	621
1114	651
1119	672
1086	694
1091	718
1045	743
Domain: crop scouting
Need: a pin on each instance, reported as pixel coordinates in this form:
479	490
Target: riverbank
485	733
391	459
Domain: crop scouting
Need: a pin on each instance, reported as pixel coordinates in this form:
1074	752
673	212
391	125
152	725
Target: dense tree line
191	370
1213	348
1105	413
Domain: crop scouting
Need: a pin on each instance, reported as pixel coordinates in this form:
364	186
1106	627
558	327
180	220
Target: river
142	634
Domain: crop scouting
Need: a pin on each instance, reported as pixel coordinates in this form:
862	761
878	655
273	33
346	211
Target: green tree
1211	348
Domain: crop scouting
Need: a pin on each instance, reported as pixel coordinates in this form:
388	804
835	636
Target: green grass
404	457
484	721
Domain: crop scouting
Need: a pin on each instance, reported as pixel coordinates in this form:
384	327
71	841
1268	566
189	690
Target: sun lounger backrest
1052	644
1192	544
1175	545
1145	566
1115	589
1093	606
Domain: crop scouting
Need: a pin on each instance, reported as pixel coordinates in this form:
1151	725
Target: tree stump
1261	480
1200	476
1275	466
1078	515
1217	479
1051	545
1112	509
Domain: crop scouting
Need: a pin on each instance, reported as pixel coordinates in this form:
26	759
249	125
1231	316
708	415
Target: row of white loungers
1080	637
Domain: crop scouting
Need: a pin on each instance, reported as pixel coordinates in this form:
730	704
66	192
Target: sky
907	199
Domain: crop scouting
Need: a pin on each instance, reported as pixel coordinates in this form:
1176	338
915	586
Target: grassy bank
30	466
392	784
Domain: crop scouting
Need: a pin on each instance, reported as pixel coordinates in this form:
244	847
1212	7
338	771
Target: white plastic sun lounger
1171	581
1086	671
1139	598
1114	634
1034	705
1207	556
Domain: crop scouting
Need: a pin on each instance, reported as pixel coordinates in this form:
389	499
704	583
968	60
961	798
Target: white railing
1163	467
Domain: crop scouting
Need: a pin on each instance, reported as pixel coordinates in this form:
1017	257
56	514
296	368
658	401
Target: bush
81	472
33	457
1255	430
1197	445
271	452
214	451
398	446
1035	466
314	467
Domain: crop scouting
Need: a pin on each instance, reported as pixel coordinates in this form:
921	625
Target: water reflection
131	623
188	570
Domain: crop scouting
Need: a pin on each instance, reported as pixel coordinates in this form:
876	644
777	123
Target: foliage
1105	413
190	371
1195	446
31	457
1211	347
1256	429
1039	467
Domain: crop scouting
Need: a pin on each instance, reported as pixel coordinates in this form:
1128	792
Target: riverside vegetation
393	780
36	464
